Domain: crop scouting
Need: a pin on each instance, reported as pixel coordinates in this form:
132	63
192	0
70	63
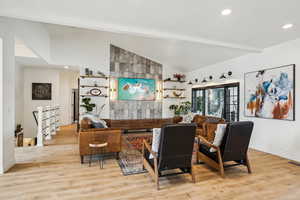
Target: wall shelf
177	89
92	86
93	76
166	80
174	97
89	95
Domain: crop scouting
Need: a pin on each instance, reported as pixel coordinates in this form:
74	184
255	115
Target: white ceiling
184	31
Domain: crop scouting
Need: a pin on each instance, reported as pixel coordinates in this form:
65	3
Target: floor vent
295	163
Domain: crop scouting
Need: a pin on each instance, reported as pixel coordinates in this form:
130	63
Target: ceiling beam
114	28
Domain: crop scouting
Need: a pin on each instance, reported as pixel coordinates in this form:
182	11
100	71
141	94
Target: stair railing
47	118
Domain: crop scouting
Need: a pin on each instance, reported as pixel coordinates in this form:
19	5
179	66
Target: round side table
95	148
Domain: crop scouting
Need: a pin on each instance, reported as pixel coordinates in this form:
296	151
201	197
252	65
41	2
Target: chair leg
248	164
81	159
90	161
193	174
156	173
221	166
157	182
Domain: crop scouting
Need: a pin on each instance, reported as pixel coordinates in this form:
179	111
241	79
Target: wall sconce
191	83
159	90
113	89
225	76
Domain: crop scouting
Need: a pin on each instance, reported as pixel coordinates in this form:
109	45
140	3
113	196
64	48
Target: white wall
19	94
62	81
34	35
273	136
7	97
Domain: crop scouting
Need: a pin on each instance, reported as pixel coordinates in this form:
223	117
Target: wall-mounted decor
270	93
41	91
136	89
95	92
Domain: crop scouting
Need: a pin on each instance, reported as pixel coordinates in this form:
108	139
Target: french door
218	101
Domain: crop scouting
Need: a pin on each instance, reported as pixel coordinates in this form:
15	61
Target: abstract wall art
41	91
270	93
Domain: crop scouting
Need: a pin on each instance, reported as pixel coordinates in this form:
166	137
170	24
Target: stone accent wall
130	65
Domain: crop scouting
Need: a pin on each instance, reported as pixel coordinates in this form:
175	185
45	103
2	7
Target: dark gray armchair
175	151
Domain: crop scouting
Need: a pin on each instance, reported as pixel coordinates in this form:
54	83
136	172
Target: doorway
75	105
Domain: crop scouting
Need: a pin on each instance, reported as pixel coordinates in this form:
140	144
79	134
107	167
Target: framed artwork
136	89
41	91
270	93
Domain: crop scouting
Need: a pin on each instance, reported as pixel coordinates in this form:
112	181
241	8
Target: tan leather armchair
88	135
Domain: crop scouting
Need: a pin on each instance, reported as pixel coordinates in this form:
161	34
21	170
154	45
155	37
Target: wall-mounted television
136	89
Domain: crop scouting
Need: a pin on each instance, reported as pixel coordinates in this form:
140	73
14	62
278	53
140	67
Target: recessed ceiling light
66	67
226	12
287	26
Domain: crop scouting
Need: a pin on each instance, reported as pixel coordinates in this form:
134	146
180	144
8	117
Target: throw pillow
95	119
155	141
219	134
103	123
97	125
188	117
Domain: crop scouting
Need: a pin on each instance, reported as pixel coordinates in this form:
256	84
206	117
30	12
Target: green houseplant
88	105
181	108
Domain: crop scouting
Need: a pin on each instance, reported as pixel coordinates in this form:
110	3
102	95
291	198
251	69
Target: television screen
136	89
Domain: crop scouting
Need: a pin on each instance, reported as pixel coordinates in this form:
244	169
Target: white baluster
40	135
48	123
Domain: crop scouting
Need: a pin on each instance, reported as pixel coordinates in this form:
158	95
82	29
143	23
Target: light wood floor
54	172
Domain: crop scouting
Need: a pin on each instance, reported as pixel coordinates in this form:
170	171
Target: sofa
113	133
206	126
134	124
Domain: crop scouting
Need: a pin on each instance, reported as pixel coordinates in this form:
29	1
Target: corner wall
7	97
277	137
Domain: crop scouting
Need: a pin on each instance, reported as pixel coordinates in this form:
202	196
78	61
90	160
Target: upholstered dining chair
174	152
234	147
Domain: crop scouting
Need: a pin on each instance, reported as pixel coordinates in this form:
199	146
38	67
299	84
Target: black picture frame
41	91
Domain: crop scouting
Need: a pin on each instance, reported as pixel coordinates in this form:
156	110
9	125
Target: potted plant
87	105
182	108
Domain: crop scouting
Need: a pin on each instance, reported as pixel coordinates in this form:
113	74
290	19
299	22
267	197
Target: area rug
130	160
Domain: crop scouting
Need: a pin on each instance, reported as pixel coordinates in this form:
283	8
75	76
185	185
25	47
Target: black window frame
226	103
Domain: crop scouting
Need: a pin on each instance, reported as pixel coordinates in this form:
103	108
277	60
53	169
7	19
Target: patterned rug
130	160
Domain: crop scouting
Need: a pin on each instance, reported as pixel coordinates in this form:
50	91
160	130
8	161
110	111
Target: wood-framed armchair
234	147
174	152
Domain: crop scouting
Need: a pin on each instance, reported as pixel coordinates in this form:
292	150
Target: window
219	101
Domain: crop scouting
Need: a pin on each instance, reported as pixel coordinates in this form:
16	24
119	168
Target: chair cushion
155	141
219	134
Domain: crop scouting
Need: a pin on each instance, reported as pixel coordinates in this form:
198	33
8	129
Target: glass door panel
214	102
